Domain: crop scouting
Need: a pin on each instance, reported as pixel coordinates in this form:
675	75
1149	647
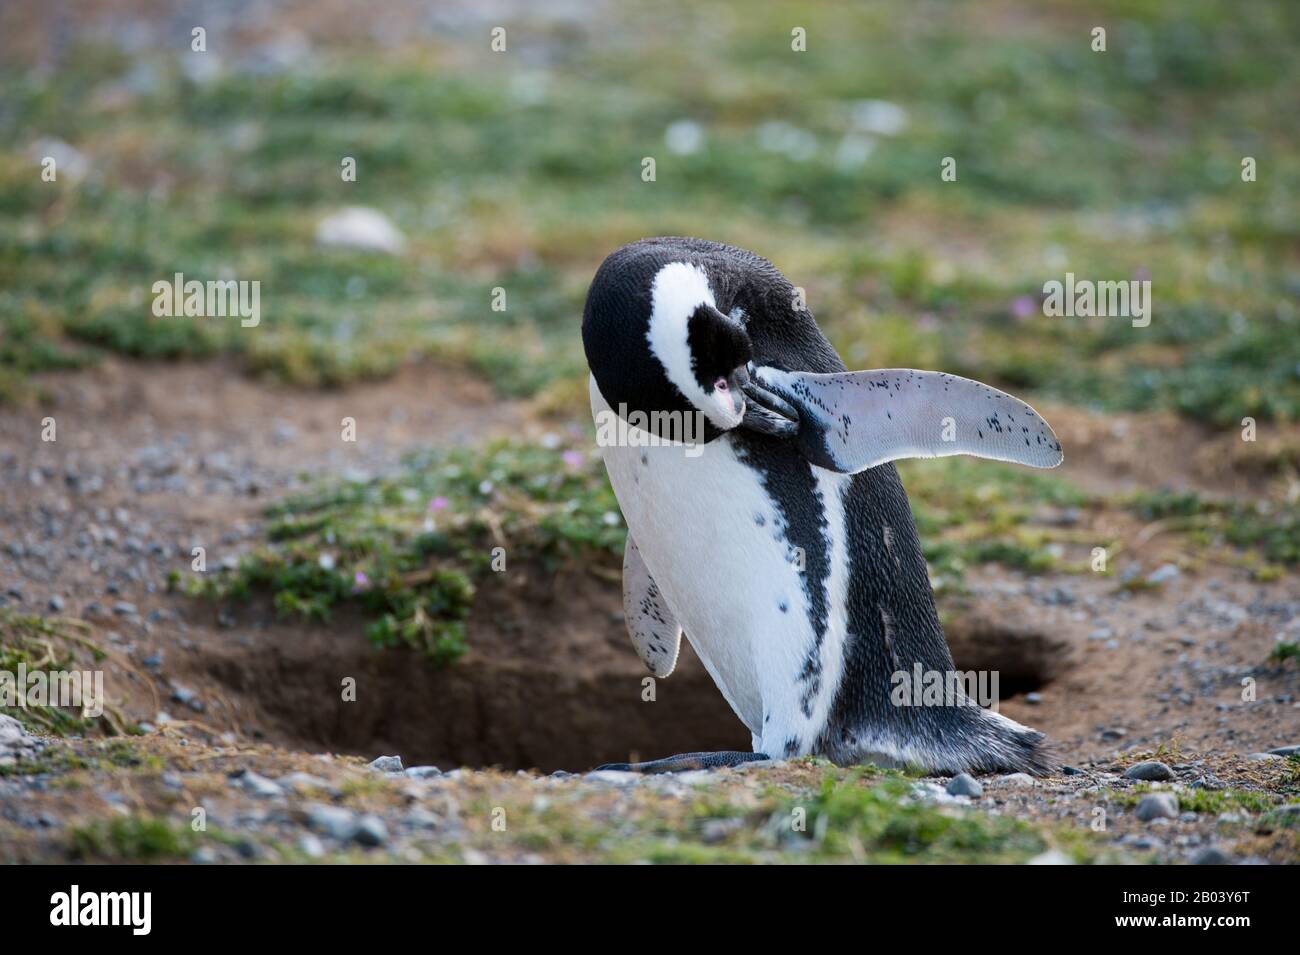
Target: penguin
766	520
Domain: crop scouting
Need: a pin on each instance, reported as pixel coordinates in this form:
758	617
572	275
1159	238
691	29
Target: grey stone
370	831
423	772
259	786
15	742
421	818
965	784
387	764
1163	574
1150	770
1211	855
334	821
1157	806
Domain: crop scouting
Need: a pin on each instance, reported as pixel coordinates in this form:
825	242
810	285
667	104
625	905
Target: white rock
613	777
684	137
1051	857
359	227
15	742
879	117
70	163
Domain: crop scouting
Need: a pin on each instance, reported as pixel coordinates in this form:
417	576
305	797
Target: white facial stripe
678	290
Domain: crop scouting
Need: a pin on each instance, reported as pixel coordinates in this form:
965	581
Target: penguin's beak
765	412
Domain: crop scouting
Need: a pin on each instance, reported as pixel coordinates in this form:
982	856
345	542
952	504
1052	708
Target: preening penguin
779	538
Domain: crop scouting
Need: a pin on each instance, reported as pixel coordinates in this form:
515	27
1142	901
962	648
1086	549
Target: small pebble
1163	574
1150	770
370	831
1157	806
333	821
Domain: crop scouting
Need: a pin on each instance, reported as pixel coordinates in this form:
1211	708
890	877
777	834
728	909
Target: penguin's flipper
851	421
654	630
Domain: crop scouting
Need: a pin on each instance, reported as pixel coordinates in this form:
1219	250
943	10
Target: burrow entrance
551	682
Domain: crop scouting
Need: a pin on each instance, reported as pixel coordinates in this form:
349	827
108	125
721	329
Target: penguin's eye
720	385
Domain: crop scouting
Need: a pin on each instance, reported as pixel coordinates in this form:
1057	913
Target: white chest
715	543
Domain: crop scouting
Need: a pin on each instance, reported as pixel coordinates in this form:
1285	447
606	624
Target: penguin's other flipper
686	761
851	421
654	630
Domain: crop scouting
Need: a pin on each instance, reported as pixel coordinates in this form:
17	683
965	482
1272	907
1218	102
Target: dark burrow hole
551	682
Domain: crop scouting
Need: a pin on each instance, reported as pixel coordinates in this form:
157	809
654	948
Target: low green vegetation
135	838
884	822
520	172
970	512
1213	801
1272	529
814	812
48	645
405	550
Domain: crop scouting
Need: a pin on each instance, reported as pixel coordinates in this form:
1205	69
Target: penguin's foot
687	761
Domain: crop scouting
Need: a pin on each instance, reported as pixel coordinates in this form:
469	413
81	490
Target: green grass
1212	801
1272	529
883	824
972	512
137	838
405	551
832	815
503	172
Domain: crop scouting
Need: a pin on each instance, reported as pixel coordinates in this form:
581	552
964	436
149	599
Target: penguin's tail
996	744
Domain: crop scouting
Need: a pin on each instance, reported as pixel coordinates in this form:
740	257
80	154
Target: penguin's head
657	340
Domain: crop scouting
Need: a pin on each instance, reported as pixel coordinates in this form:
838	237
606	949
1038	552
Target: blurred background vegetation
522	170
